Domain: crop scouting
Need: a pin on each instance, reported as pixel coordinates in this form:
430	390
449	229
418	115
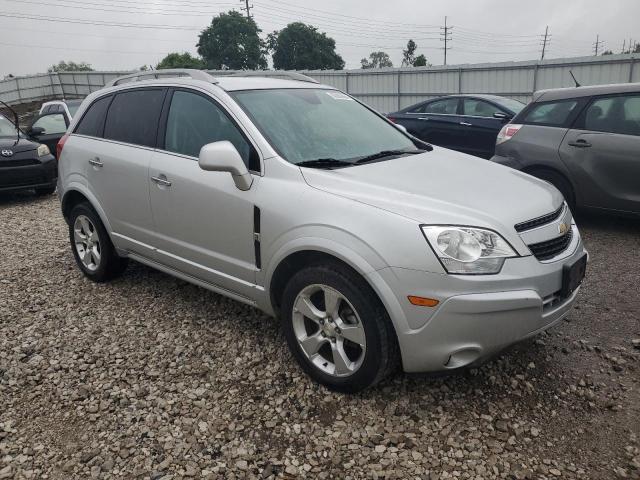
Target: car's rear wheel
91	245
337	328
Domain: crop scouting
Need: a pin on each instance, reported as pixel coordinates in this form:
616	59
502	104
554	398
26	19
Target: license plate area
572	275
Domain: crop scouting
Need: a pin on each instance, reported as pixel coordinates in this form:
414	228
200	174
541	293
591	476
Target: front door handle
424	118
580	143
96	162
466	124
161	180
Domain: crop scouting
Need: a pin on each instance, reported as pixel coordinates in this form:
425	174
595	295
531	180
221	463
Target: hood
443	187
9	143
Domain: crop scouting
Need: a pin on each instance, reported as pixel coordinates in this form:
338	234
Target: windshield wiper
387	153
327	163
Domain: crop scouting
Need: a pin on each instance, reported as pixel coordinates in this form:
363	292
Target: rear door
438	122
481	127
118	165
602	152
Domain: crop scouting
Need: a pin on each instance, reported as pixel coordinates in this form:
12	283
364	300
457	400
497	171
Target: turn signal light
422	302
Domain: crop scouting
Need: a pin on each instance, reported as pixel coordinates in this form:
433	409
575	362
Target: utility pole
247	8
446	37
624	44
596	46
545	41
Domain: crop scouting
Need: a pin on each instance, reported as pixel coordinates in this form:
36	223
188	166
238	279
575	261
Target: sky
126	34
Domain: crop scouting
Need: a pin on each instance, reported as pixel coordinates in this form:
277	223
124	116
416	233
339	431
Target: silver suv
372	247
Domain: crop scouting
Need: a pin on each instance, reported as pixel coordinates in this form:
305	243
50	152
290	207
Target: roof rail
286	74
168	73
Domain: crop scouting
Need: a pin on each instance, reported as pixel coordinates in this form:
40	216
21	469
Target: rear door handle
466	124
161	180
96	162
580	144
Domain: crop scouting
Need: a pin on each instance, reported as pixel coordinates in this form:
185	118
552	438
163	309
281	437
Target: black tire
42	191
381	356
560	182
110	264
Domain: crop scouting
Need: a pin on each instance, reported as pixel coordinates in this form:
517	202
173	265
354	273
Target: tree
180	60
63	66
303	47
607	52
421	61
377	60
232	41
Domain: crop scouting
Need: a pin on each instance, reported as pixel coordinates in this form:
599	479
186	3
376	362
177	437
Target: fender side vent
256	236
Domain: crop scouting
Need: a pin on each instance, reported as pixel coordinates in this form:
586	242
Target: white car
68	107
373	247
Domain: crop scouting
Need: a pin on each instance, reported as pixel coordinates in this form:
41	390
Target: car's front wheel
337	328
91	245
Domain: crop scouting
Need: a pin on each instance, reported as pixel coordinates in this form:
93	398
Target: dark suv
584	140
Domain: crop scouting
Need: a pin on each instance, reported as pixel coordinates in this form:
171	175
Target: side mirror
223	157
502	116
35	131
402	128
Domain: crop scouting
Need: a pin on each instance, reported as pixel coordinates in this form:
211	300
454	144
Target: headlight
468	250
43	150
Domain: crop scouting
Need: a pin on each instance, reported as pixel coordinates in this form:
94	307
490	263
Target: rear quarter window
92	121
553	114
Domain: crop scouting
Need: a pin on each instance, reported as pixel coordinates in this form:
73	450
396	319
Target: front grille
24	162
550	248
537	222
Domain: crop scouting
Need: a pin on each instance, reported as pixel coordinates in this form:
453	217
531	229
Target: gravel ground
150	377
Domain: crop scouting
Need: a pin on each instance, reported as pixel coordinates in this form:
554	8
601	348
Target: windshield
514	105
73	107
311	124
7	128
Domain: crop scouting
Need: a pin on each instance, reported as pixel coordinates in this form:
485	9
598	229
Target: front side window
553	114
314	124
133	117
53	123
620	114
479	108
92	121
195	121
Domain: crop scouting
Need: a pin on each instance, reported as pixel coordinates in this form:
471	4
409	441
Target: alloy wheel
87	242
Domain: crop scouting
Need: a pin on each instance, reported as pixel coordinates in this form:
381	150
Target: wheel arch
75	195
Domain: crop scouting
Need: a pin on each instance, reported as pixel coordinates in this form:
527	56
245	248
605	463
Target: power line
445	37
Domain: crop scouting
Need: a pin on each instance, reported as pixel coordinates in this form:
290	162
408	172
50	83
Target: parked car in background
585	141
68	107
48	128
373	247
466	123
24	164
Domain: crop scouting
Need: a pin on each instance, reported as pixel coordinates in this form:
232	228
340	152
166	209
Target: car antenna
16	120
574	79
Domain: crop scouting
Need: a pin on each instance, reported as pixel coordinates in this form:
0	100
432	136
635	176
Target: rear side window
553	114
92	122
448	106
620	114
133	117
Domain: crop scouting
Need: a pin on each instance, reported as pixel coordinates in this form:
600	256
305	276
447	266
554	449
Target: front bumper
23	174
478	316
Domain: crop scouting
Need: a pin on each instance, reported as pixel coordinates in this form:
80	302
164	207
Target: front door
49	129
481	127
203	222
601	152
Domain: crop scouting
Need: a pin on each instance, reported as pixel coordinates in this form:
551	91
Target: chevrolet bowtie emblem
563	228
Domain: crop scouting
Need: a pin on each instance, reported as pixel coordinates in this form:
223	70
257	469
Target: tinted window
133	117
92	122
615	114
448	106
194	121
52	124
479	108
554	114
